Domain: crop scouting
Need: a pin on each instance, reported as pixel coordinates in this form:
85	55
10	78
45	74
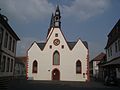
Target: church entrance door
55	74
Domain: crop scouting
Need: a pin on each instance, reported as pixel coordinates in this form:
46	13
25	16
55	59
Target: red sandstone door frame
55	74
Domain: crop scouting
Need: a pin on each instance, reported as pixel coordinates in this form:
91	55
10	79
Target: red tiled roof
99	57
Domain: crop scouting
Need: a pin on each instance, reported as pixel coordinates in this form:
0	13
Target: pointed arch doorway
55	74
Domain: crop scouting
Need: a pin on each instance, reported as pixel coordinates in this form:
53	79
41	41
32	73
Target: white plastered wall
68	59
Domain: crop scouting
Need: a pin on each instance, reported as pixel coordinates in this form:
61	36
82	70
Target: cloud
24	44
26	10
84	9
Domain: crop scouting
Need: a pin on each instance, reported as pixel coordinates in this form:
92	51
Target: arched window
78	67
34	68
56	58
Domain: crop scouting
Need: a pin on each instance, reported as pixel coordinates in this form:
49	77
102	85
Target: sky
89	20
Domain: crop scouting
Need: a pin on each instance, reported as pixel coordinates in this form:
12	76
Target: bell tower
55	21
57	17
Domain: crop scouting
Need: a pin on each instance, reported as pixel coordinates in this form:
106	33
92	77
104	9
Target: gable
34	46
81	44
72	44
60	36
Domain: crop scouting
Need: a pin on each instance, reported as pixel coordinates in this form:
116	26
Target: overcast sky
90	20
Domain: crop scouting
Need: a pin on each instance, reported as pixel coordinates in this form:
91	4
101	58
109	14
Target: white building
8	42
56	58
94	64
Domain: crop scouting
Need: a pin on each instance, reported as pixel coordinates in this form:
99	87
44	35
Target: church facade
56	58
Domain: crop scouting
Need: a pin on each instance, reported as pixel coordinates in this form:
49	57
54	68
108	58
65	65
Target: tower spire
52	21
57	17
55	20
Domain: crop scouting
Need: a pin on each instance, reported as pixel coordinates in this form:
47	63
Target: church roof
85	44
70	44
41	45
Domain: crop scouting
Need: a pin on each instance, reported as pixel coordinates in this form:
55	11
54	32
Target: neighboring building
113	52
102	70
56	58
20	67
8	42
94	68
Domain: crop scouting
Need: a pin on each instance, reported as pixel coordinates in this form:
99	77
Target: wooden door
55	74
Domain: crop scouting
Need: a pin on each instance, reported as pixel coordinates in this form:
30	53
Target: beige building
56	58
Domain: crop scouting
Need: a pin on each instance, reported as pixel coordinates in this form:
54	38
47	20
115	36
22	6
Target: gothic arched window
56	58
34	67
78	67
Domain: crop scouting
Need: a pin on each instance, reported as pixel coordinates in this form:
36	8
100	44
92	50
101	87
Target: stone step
4	82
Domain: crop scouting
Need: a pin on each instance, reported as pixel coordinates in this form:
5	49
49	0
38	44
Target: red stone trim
87	72
27	68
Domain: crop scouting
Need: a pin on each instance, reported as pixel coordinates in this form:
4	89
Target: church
56	58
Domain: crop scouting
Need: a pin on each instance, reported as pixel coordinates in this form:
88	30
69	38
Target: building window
116	47
111	51
56	58
1	35
3	64
11	68
56	35
62	46
119	45
10	43
108	51
8	65
50	46
78	67
83	75
34	69
13	46
6	40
